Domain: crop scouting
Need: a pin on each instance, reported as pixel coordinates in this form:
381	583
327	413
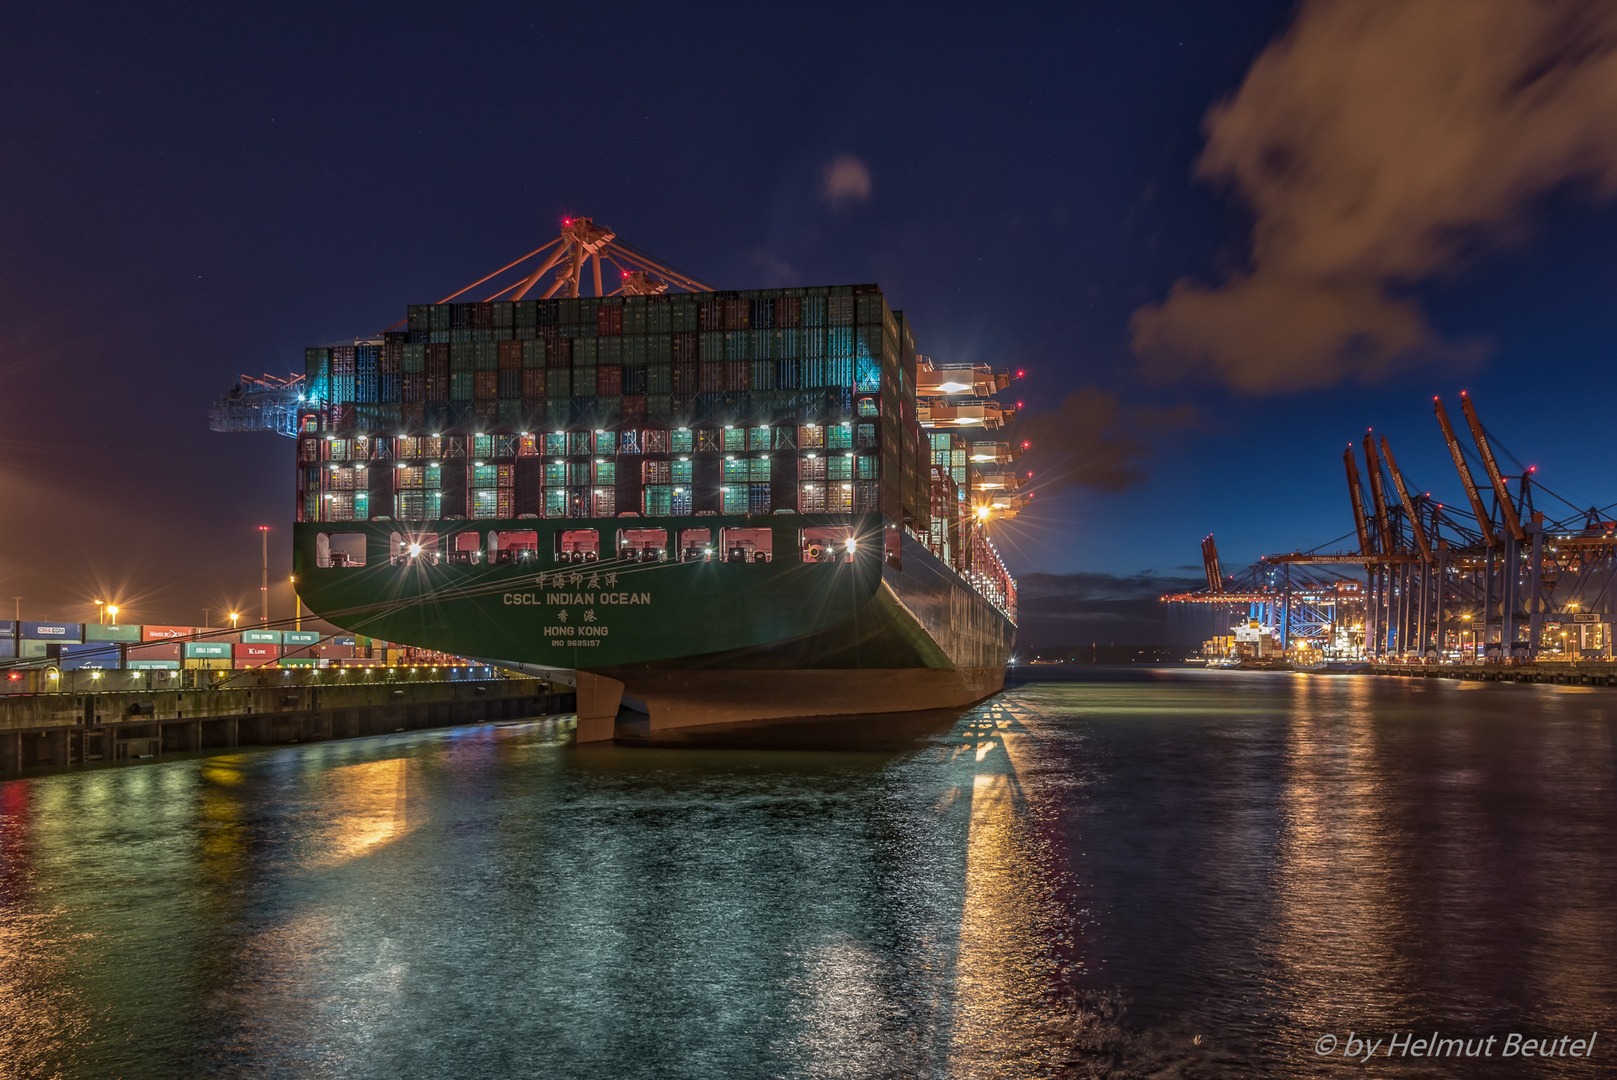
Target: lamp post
101	612
297	601
112	609
234	615
263	532
1467	620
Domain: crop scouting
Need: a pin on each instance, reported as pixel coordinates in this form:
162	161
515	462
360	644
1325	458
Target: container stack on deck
736	403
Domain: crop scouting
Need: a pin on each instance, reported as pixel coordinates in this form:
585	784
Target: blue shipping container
8	647
99	654
8	628
53	631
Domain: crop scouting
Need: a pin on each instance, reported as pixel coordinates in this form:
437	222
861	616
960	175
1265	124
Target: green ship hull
886	627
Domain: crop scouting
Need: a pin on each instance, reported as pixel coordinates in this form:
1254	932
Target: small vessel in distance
703	506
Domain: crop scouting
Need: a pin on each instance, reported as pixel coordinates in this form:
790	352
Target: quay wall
52	730
1576	673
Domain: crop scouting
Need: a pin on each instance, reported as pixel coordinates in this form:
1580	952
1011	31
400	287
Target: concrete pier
77	724
1571	672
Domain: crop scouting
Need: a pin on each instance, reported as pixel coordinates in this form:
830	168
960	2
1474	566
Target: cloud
1379	144
1092	440
845	181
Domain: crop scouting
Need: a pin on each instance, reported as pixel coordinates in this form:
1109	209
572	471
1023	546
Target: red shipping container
255	651
157	650
485	385
609	380
510	355
608	321
163	633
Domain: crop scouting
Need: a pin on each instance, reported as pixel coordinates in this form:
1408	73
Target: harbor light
850	544
112	610
234	615
415	549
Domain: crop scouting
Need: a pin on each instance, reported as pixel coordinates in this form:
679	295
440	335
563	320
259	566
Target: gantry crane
267	403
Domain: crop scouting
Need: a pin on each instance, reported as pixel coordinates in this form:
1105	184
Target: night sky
1222	239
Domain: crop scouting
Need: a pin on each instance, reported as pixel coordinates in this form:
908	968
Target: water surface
1170	873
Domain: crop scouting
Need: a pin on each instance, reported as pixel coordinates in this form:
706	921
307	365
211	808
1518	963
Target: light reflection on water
1175	875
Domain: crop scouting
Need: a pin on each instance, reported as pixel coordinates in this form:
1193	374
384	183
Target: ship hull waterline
687	644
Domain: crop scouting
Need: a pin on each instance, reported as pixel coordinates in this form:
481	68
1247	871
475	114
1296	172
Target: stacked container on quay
30	647
710	506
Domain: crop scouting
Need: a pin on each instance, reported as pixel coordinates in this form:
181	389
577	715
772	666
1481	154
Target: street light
234	615
112	609
101	612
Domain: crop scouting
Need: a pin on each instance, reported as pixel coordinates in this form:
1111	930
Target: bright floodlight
415	549
850	544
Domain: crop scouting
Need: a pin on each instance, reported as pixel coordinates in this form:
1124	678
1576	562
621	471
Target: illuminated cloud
845	182
1380	143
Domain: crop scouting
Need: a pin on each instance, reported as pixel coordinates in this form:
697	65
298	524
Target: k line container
256	652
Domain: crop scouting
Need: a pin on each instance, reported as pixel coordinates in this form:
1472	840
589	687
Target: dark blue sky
188	192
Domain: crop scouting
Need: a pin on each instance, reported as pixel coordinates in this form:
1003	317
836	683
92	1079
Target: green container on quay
207	650
261	637
300	637
98	632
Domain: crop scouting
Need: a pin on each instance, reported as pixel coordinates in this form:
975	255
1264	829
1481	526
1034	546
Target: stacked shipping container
94	646
766	401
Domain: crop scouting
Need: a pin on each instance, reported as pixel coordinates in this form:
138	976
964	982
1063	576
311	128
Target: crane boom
1507	509
1409	504
1356	497
1378	495
1215	573
1484	522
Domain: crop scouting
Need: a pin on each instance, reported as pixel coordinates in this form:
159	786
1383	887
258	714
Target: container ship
696	506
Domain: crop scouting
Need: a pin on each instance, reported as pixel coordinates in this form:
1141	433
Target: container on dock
209	663
258	653
134	664
155	650
163	633
106	632
32	649
96	655
299	661
8	628
300	637
207	650
261	637
8	647
53	631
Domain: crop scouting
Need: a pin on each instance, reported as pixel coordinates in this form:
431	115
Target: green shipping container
300	637
153	665
298	661
98	632
261	637
207	650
